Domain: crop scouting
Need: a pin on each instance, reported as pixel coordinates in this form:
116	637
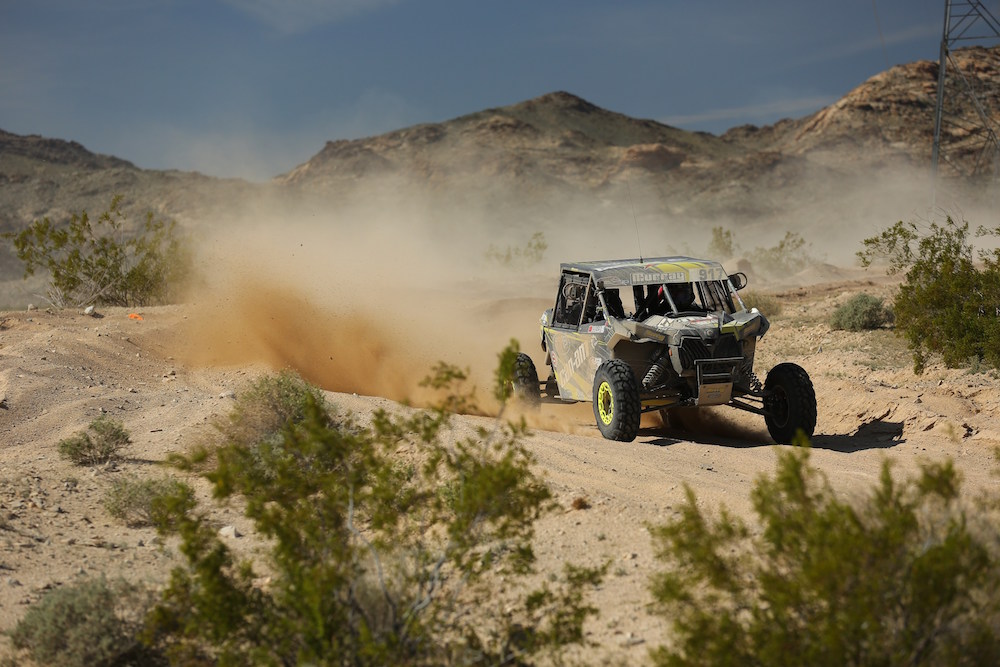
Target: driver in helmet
682	295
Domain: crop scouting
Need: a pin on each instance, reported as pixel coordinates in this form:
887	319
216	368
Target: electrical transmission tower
976	125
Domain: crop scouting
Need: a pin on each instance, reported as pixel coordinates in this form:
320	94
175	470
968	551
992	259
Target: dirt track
59	371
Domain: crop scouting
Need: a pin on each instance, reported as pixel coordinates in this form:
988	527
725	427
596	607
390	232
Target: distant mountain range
559	158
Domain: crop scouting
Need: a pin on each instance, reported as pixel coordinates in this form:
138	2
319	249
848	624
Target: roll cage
583	299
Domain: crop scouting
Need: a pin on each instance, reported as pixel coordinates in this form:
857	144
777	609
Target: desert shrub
949	302
532	253
723	244
93	623
790	255
503	385
261	411
372	561
896	578
105	440
267	405
768	304
140	502
99	262
860	313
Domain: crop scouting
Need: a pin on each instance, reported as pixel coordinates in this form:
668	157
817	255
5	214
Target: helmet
682	294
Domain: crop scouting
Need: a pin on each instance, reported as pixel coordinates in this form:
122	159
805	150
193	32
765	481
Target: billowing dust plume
362	301
367	297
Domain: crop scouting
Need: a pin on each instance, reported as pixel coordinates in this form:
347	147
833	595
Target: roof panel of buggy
625	272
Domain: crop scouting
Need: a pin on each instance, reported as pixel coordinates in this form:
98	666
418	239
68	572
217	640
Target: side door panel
575	359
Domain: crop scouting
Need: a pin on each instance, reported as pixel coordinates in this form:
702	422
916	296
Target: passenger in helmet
656	302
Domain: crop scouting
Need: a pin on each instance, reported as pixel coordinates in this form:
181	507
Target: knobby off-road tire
616	401
789	403
525	381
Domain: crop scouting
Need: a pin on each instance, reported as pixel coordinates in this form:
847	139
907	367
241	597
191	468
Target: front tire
616	401
789	403
525	381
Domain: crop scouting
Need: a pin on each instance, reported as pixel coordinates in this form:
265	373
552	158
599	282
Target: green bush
768	304
861	313
389	545
949	302
898	578
140	502
503	377
97	262
532	253
267	405
790	255
259	416
723	244
94	623
104	441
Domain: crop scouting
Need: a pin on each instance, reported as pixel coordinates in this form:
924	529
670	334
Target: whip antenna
635	222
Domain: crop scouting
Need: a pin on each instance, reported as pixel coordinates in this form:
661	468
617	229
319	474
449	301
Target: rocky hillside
556	139
561	142
50	177
890	117
559	160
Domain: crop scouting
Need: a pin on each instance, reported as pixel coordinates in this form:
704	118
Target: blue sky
252	88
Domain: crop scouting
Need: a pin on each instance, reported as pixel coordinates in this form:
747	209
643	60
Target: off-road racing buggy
636	336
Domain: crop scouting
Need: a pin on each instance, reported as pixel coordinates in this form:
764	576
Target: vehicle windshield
718	296
674	299
579	302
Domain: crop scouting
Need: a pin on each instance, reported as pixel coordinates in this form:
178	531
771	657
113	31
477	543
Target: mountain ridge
558	159
904	94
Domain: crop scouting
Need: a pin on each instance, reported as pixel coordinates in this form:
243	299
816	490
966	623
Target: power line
881	38
966	21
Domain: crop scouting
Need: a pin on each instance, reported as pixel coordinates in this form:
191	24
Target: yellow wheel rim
605	403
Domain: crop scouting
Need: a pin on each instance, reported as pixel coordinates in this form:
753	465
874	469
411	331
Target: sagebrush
390	544
91	623
259	415
103	261
103	441
899	577
140	501
723	243
768	304
789	255
862	312
949	302
519	257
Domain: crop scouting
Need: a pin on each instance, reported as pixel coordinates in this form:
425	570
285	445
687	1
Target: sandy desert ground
165	376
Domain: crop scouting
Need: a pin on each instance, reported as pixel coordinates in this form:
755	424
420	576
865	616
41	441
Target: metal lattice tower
966	21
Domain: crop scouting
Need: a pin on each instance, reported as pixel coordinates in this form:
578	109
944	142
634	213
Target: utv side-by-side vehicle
636	336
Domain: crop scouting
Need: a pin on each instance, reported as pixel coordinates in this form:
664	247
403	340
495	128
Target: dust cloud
360	301
714	422
366	294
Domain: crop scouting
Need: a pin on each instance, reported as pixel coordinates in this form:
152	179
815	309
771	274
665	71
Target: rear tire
525	381
616	401
789	403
